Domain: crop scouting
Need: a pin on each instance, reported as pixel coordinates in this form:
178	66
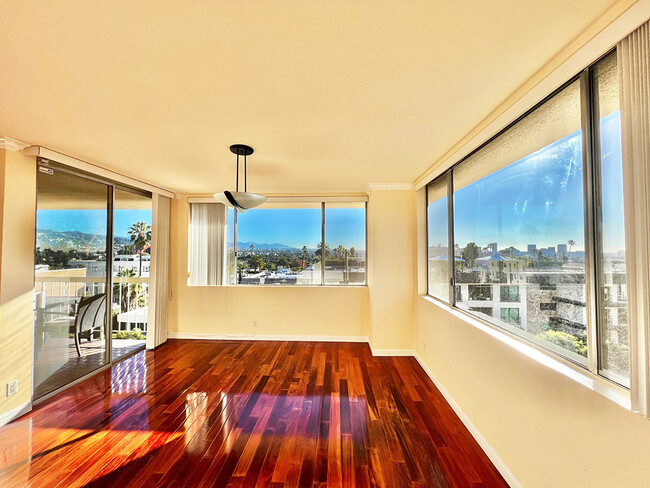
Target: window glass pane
345	244
231	262
70	287
438	237
519	225
614	360
131	271
279	245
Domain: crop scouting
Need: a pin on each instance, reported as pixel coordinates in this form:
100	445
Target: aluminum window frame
592	199
323	206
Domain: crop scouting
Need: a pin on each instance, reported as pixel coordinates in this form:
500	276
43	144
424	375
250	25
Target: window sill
608	389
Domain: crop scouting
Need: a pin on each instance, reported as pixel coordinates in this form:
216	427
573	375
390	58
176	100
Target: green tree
353	252
305	253
471	253
128	293
140	234
255	262
565	341
319	250
340	251
571	243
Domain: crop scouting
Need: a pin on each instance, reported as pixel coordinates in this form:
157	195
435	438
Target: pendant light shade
240	200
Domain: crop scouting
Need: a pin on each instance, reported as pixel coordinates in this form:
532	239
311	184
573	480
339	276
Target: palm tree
340	251
353	252
127	292
140	234
318	250
252	248
571	243
305	252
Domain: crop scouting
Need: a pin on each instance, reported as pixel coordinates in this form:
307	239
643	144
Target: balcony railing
57	296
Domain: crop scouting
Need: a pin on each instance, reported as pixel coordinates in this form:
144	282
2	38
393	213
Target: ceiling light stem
245	174
237	178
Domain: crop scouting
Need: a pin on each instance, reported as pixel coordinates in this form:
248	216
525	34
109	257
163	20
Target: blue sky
90	221
302	227
538	199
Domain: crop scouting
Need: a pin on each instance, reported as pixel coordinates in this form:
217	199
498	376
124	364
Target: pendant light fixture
240	200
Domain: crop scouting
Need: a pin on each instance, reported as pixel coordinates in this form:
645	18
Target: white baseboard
487	448
390	352
267	337
14	413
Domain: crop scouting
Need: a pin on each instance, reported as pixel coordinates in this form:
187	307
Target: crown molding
12	144
389	186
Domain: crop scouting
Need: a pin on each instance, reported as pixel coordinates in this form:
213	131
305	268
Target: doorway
93	242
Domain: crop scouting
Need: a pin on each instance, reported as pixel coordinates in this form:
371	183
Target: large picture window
533	212
284	243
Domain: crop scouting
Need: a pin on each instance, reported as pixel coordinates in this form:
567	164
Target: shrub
135	334
565	341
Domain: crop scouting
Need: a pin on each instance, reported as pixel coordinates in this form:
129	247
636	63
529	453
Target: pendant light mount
241	150
240	201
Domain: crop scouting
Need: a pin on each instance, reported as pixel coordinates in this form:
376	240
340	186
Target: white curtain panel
634	78
207	243
159	292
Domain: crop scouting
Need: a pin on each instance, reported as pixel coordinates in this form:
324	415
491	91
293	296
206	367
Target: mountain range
67	240
264	246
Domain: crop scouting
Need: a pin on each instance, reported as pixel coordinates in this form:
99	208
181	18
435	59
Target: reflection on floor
247	414
59	363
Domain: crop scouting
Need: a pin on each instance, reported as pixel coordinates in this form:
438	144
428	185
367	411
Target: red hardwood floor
247	414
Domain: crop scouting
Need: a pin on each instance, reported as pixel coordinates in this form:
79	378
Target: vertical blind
159	286
634	79
207	244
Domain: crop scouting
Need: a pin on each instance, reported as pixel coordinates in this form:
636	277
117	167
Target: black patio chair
90	317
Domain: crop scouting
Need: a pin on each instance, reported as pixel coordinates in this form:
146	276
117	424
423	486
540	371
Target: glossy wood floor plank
245	414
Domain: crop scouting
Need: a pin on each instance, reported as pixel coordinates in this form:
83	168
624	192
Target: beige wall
18	211
549	430
295	311
391	264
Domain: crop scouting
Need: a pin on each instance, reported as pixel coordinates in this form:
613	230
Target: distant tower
495	249
561	249
532	247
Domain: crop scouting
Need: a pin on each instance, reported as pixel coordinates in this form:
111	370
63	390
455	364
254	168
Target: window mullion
322	245
588	164
450	238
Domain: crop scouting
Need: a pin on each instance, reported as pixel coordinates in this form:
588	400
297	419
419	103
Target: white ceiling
332	95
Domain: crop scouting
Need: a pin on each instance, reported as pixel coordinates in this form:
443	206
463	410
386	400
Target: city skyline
538	199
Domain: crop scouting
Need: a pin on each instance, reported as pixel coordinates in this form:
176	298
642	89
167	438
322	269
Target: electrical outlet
12	388
254	323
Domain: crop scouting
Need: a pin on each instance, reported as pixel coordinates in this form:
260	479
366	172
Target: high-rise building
532	247
561	249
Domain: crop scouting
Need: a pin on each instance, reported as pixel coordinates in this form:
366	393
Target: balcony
69	324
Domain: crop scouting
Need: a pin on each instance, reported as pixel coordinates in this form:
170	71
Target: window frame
592	215
323	206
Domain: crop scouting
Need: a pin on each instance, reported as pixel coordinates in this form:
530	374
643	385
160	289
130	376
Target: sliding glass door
73	221
131	270
92	267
